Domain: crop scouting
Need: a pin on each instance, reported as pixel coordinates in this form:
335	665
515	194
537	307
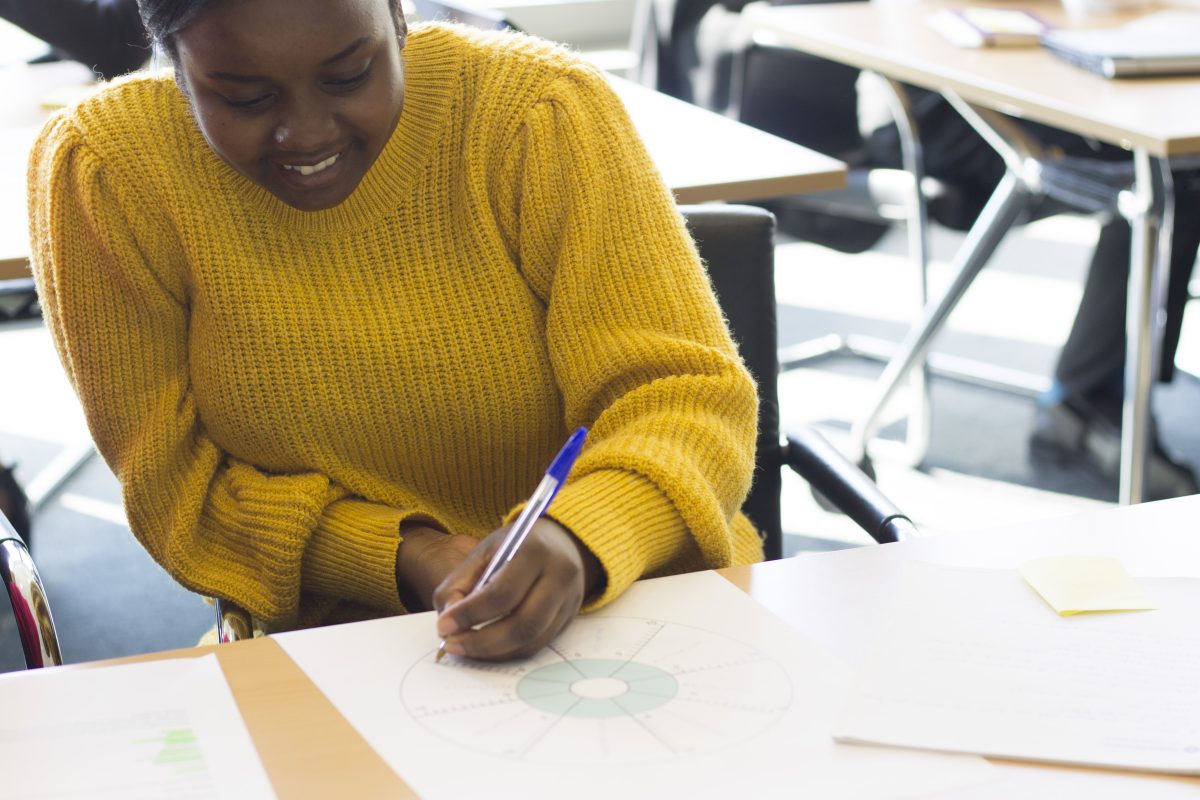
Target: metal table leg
1007	202
1020	183
920	412
1149	207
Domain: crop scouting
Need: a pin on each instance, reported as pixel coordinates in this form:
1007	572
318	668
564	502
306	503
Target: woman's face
300	96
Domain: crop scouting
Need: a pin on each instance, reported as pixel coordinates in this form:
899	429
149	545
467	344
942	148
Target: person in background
1078	421
106	35
331	321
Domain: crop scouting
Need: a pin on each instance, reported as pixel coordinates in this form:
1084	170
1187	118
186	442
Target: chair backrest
737	244
738	248
27	601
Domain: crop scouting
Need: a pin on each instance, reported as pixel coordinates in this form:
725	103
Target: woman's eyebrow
338	56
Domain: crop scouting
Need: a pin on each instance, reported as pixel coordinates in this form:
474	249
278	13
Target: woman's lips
316	175
306	170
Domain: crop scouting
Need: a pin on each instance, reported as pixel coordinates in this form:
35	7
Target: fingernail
455	649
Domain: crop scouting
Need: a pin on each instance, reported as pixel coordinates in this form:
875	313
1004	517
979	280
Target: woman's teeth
307	170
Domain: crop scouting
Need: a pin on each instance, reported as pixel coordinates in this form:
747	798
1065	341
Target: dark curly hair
165	18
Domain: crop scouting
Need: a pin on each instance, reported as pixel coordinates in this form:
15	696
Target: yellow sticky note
1076	584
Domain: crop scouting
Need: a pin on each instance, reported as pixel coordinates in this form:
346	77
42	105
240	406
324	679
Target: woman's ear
401	25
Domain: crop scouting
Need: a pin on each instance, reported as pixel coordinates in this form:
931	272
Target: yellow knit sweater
278	390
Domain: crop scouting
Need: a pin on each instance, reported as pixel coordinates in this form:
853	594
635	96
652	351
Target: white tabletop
893	38
840	600
704	156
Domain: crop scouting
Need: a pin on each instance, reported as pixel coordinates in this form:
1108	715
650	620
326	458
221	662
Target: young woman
334	294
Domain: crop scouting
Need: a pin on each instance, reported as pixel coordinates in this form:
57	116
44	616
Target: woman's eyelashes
332	85
349	84
252	104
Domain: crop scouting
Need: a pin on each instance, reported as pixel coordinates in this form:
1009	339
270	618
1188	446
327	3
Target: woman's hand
531	599
424	559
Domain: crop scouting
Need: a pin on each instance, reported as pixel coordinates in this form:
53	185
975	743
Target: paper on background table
1078	584
166	728
684	687
973	661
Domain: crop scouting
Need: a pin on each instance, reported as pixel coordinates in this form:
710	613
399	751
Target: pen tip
441	653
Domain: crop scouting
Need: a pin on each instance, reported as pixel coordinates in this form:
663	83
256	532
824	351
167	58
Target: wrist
594	576
414	538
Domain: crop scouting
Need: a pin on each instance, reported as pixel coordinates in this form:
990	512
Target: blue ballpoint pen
555	476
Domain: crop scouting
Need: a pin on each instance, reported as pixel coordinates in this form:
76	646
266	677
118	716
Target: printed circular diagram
609	690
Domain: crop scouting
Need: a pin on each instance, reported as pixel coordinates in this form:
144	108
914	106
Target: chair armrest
234	623
27	596
846	486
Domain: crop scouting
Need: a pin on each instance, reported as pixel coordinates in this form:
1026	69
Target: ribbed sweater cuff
627	523
352	554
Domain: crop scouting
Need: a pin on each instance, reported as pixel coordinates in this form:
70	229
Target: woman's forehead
243	33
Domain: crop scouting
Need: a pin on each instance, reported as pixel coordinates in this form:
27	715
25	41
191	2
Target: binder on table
1167	43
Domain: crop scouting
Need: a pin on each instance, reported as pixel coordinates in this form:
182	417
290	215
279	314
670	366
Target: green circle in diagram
596	688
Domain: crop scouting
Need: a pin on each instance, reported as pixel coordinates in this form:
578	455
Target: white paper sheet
164	729
973	661
684	687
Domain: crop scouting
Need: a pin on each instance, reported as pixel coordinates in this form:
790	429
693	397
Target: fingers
533	624
525	605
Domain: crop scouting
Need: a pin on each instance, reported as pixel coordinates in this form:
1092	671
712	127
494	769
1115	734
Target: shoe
14	504
1071	430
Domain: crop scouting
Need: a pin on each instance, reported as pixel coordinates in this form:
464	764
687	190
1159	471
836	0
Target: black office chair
737	245
30	621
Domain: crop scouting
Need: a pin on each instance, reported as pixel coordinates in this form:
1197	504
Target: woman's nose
305	128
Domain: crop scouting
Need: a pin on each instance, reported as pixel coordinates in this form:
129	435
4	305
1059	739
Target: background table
1158	114
702	156
1154	118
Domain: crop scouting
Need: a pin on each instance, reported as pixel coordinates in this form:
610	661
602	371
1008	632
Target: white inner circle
599	688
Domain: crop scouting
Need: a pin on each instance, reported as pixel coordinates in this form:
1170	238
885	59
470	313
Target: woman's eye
345	84
251	104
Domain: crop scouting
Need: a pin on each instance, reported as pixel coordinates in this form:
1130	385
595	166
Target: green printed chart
175	750
609	690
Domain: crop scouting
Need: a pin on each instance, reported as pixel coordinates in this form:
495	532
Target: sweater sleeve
116	303
638	343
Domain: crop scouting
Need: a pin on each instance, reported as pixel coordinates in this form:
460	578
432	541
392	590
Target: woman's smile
309	174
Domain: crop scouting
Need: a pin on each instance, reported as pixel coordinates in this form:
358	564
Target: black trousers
106	35
1095	349
1093	358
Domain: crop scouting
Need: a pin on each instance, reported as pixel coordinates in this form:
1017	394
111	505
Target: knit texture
278	390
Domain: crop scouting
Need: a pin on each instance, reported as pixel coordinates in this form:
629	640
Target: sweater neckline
430	71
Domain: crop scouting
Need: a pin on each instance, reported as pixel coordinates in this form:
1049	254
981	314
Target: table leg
920	411
1149	207
1020	183
1008	200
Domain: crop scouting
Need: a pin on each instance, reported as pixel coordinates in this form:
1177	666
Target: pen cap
566	457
